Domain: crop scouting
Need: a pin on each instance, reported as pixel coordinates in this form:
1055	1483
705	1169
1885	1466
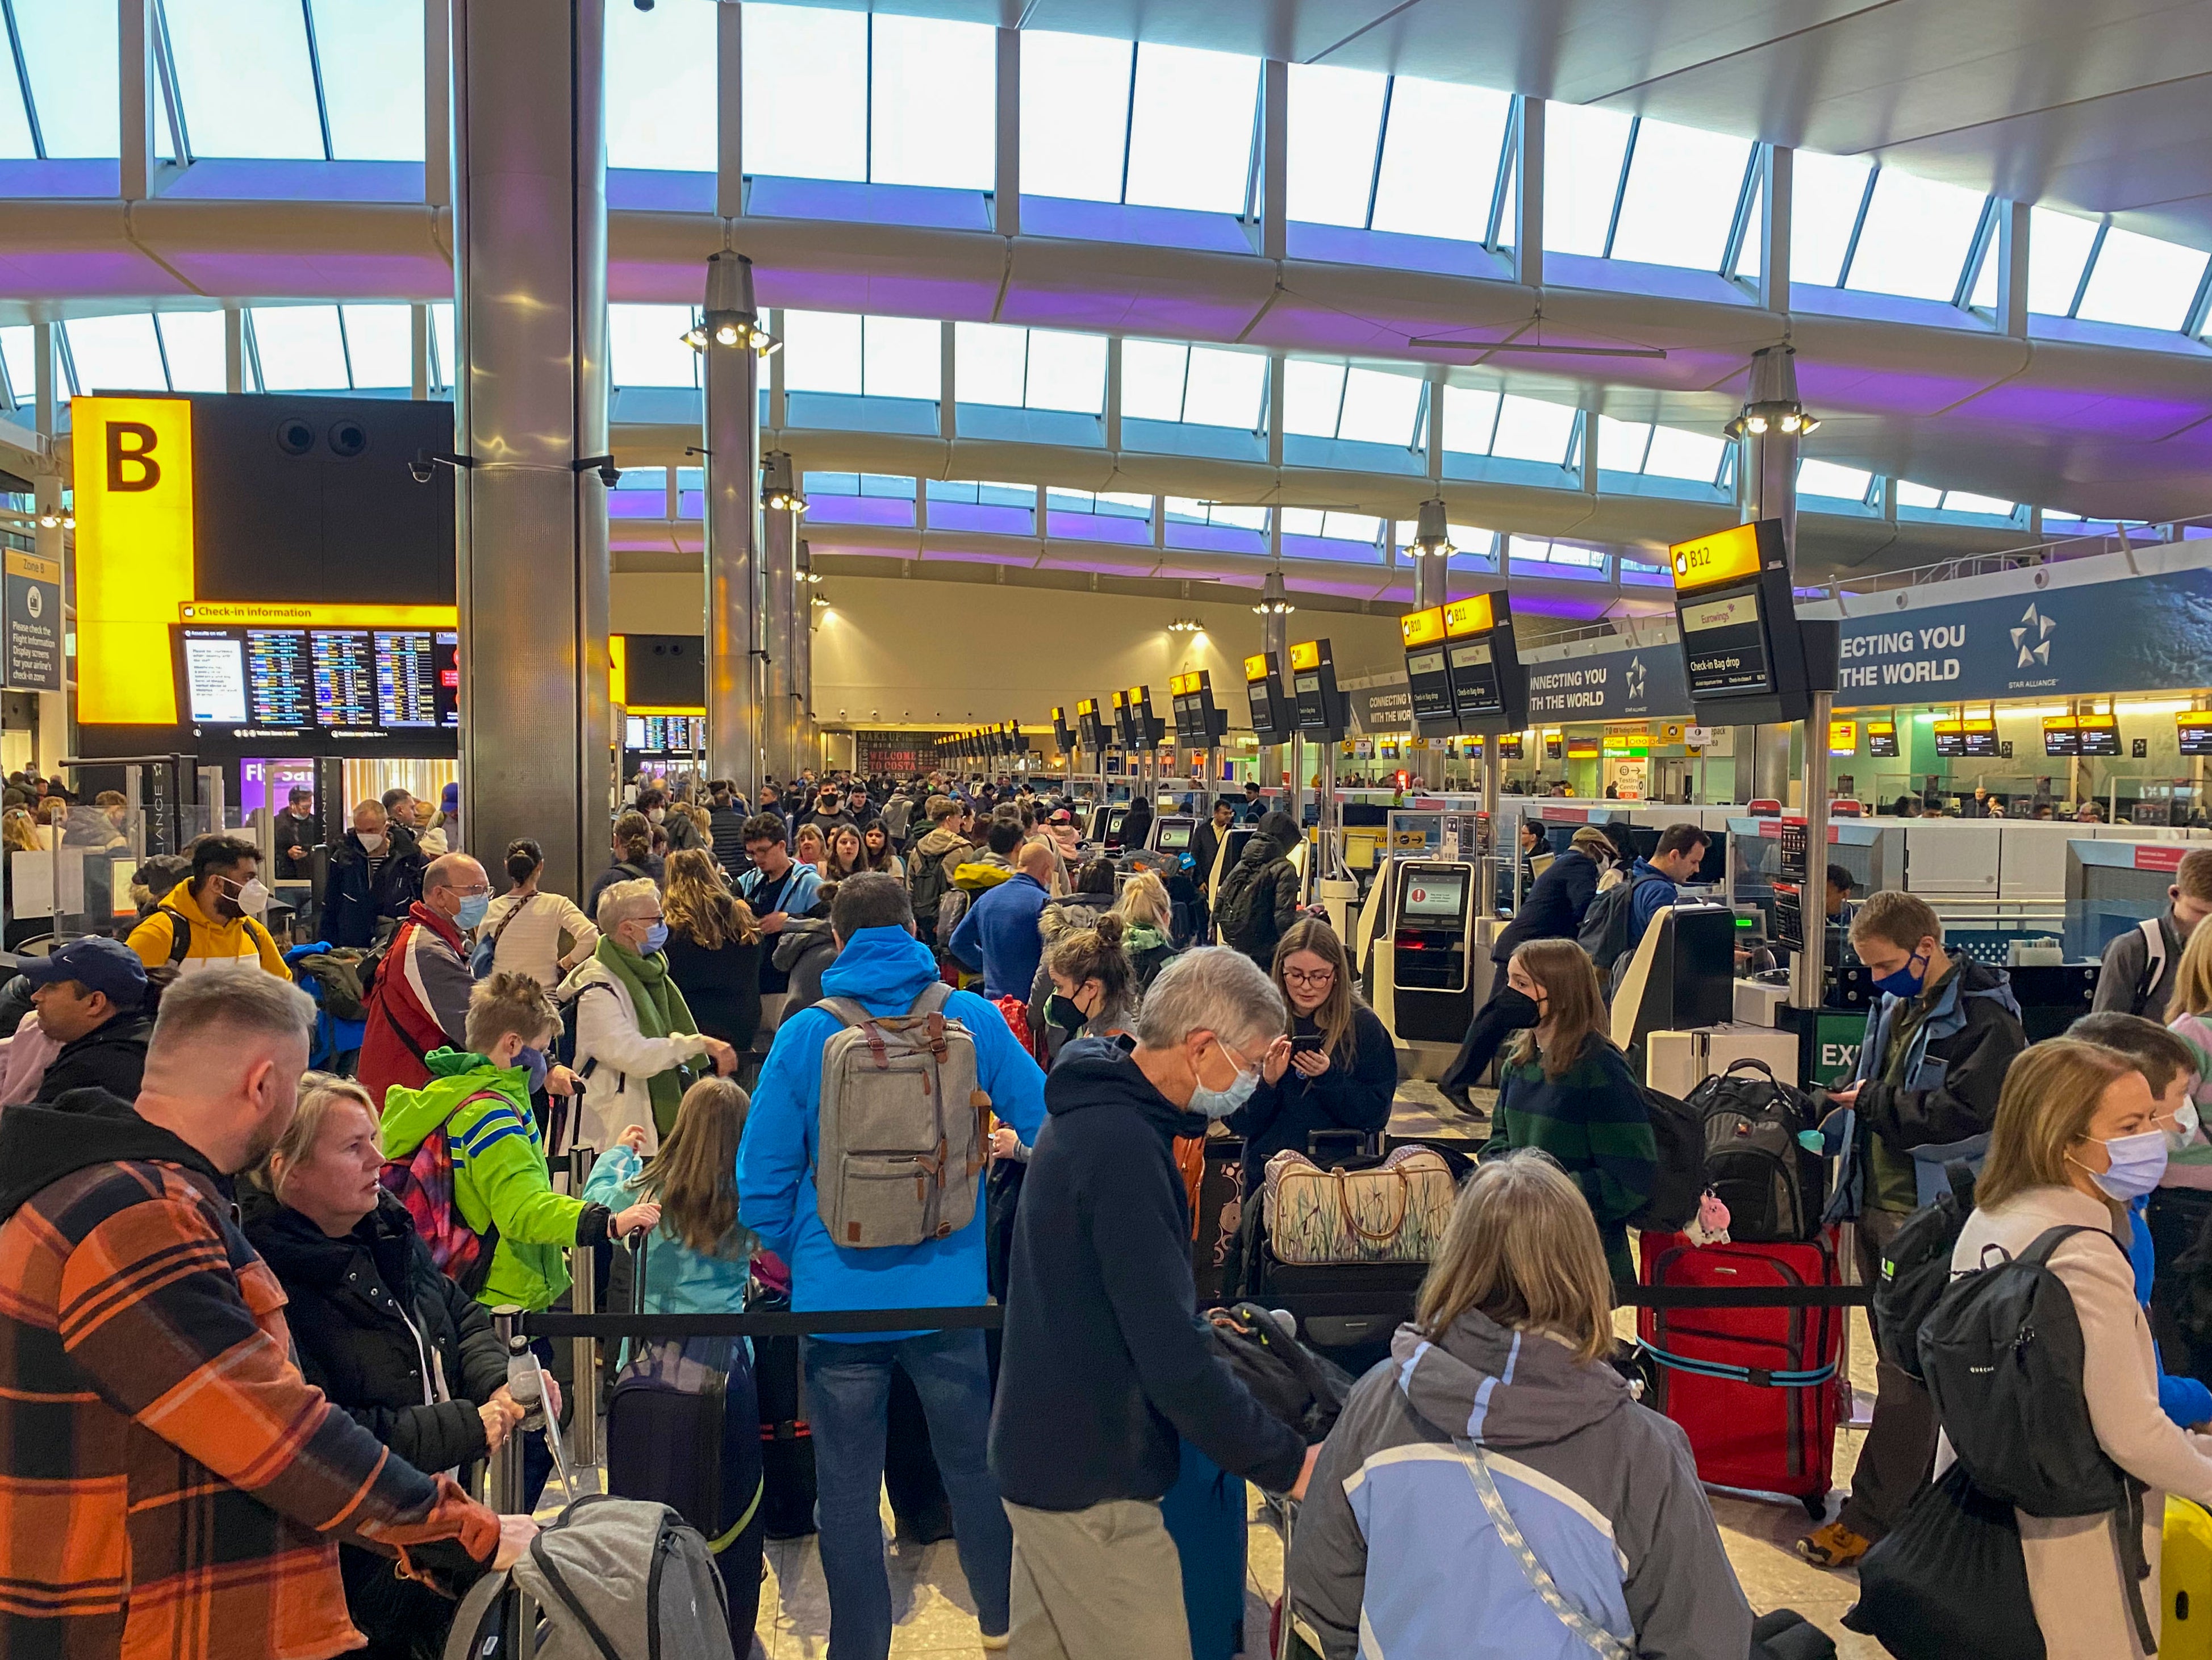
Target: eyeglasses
1309	977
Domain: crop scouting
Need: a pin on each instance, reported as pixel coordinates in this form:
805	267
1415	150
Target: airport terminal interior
1421	448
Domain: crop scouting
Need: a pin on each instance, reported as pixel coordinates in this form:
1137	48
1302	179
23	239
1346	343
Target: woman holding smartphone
1335	1068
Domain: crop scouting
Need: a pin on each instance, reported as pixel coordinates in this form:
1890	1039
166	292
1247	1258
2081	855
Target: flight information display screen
2193	733
1724	646
1263	708
280	677
2100	735
345	677
215	677
1427	673
1881	739
1475	679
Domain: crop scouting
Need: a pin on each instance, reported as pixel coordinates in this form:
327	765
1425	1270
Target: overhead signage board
1428	672
1320	706
1747	658
33	615
1730	556
1272	721
1489	684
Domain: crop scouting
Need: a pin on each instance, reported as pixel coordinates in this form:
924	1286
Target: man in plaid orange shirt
173	1486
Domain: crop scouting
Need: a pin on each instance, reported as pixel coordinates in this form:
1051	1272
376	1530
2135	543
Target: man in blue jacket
998	934
883	968
1106	1363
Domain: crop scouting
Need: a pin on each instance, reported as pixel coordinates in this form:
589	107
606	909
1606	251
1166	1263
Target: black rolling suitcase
786	1444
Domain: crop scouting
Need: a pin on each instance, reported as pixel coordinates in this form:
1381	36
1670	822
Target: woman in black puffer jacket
393	1341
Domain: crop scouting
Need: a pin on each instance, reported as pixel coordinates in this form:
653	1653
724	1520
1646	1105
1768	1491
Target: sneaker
997	1644
1834	1546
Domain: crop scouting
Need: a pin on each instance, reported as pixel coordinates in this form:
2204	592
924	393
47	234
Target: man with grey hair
1106	1362
154	1417
420	1002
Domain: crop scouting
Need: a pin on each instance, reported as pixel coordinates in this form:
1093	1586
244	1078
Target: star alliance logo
2032	639
1637	678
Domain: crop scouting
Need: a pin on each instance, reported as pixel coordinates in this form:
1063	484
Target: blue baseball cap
108	966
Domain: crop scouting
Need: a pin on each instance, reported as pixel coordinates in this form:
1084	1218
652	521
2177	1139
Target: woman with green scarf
637	1047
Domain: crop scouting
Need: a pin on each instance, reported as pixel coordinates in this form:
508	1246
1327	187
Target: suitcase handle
1751	1375
1372	1237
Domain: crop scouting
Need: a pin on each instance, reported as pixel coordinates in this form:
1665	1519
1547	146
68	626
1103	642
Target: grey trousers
1101	1584
1900	1450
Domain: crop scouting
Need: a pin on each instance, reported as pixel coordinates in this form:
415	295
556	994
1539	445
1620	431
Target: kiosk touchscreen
1433	1000
1747	659
1273	721
1489	687
1171	833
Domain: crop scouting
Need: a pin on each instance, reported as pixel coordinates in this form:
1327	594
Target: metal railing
2033	555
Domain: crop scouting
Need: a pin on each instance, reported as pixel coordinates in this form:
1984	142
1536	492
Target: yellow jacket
216	943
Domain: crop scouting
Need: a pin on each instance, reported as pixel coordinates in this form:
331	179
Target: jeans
848	1393
1900	1450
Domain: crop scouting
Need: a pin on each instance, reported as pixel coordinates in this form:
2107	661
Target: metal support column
808	736
530	419
1494	765
779	711
733	525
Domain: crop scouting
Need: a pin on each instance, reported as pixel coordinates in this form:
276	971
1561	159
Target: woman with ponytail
531	931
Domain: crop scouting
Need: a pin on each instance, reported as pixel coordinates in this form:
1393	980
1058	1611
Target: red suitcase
1755	1389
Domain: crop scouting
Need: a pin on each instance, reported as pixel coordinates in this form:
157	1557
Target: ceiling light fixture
1432	535
1185	625
731	318
1274	601
779	493
1758	419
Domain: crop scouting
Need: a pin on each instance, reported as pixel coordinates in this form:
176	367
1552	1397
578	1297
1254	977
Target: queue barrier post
583	1298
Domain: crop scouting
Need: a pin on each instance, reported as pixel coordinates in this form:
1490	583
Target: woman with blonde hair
1566	1090
1499	1429
714	948
1149	916
808	847
1338	1069
2189	1012
698	1261
2074	1141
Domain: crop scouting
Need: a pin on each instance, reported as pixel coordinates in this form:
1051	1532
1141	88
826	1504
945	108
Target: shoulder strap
932	999
2051	1239
847	1012
2154	932
494	941
1599	1640
181	933
468	1618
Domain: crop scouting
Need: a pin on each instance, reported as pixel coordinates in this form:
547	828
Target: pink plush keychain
1710	1224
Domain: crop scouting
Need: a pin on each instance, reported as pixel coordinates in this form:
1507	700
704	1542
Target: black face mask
1063	1012
1518	1009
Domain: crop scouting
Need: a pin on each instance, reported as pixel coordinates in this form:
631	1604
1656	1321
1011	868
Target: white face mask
2183	1131
254	898
370	841
657	814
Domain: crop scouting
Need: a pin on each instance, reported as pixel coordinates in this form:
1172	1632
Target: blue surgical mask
471	913
1219	1103
655	937
532	1061
1907	980
2138	1164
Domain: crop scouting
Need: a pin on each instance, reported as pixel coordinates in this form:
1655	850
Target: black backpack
1243	892
2002	1355
1678	1179
1605	930
1773	1187
1292	1382
1915	1269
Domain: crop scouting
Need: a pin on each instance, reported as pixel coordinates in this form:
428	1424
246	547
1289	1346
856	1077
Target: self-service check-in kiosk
1429	973
1171	834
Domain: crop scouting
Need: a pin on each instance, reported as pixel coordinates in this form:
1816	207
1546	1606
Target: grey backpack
904	1125
612	1579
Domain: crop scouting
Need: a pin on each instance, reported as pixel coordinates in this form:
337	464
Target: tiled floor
936	1616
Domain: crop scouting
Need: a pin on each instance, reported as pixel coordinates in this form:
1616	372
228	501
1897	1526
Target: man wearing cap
92	998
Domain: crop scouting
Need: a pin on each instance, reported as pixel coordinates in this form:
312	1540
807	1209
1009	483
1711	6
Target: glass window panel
193	342
1825	191
988	363
1302	521
902	357
1529	430
1676	454
1190	128
1826	478
1226	388
2141	280
646	346
1583	148
821	351
372	81
933	108
444	367
1151	379
1985	294
243	71
117	354
1379	408
2058	245
1621	444
1751	257
1532	548
1967	501
17	347
1313	398
1351	527
1679	203
832	483
806	92
1067	372
1565	553
660	88
1075	110
299	349
1910	494
69	49
1336	116
15	124
887	485
1469	417
1917	236
380	345
1440	159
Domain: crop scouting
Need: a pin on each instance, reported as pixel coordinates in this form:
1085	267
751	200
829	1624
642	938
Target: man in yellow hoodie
212	919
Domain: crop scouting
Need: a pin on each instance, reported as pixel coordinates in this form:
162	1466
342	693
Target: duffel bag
1392	1212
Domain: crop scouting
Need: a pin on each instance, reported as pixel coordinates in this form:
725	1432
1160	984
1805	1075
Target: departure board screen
280	677
446	655
406	678
215	677
634	731
345	677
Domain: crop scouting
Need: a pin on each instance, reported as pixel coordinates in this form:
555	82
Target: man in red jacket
420	999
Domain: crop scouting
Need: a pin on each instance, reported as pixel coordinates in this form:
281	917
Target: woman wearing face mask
1565	1088
2076	1139
1340	1069
637	1045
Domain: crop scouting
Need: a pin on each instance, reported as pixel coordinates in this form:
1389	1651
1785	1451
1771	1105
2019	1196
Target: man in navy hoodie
883	968
998	934
1106	1362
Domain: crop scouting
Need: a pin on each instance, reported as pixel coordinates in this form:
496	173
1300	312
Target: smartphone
1307	1043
